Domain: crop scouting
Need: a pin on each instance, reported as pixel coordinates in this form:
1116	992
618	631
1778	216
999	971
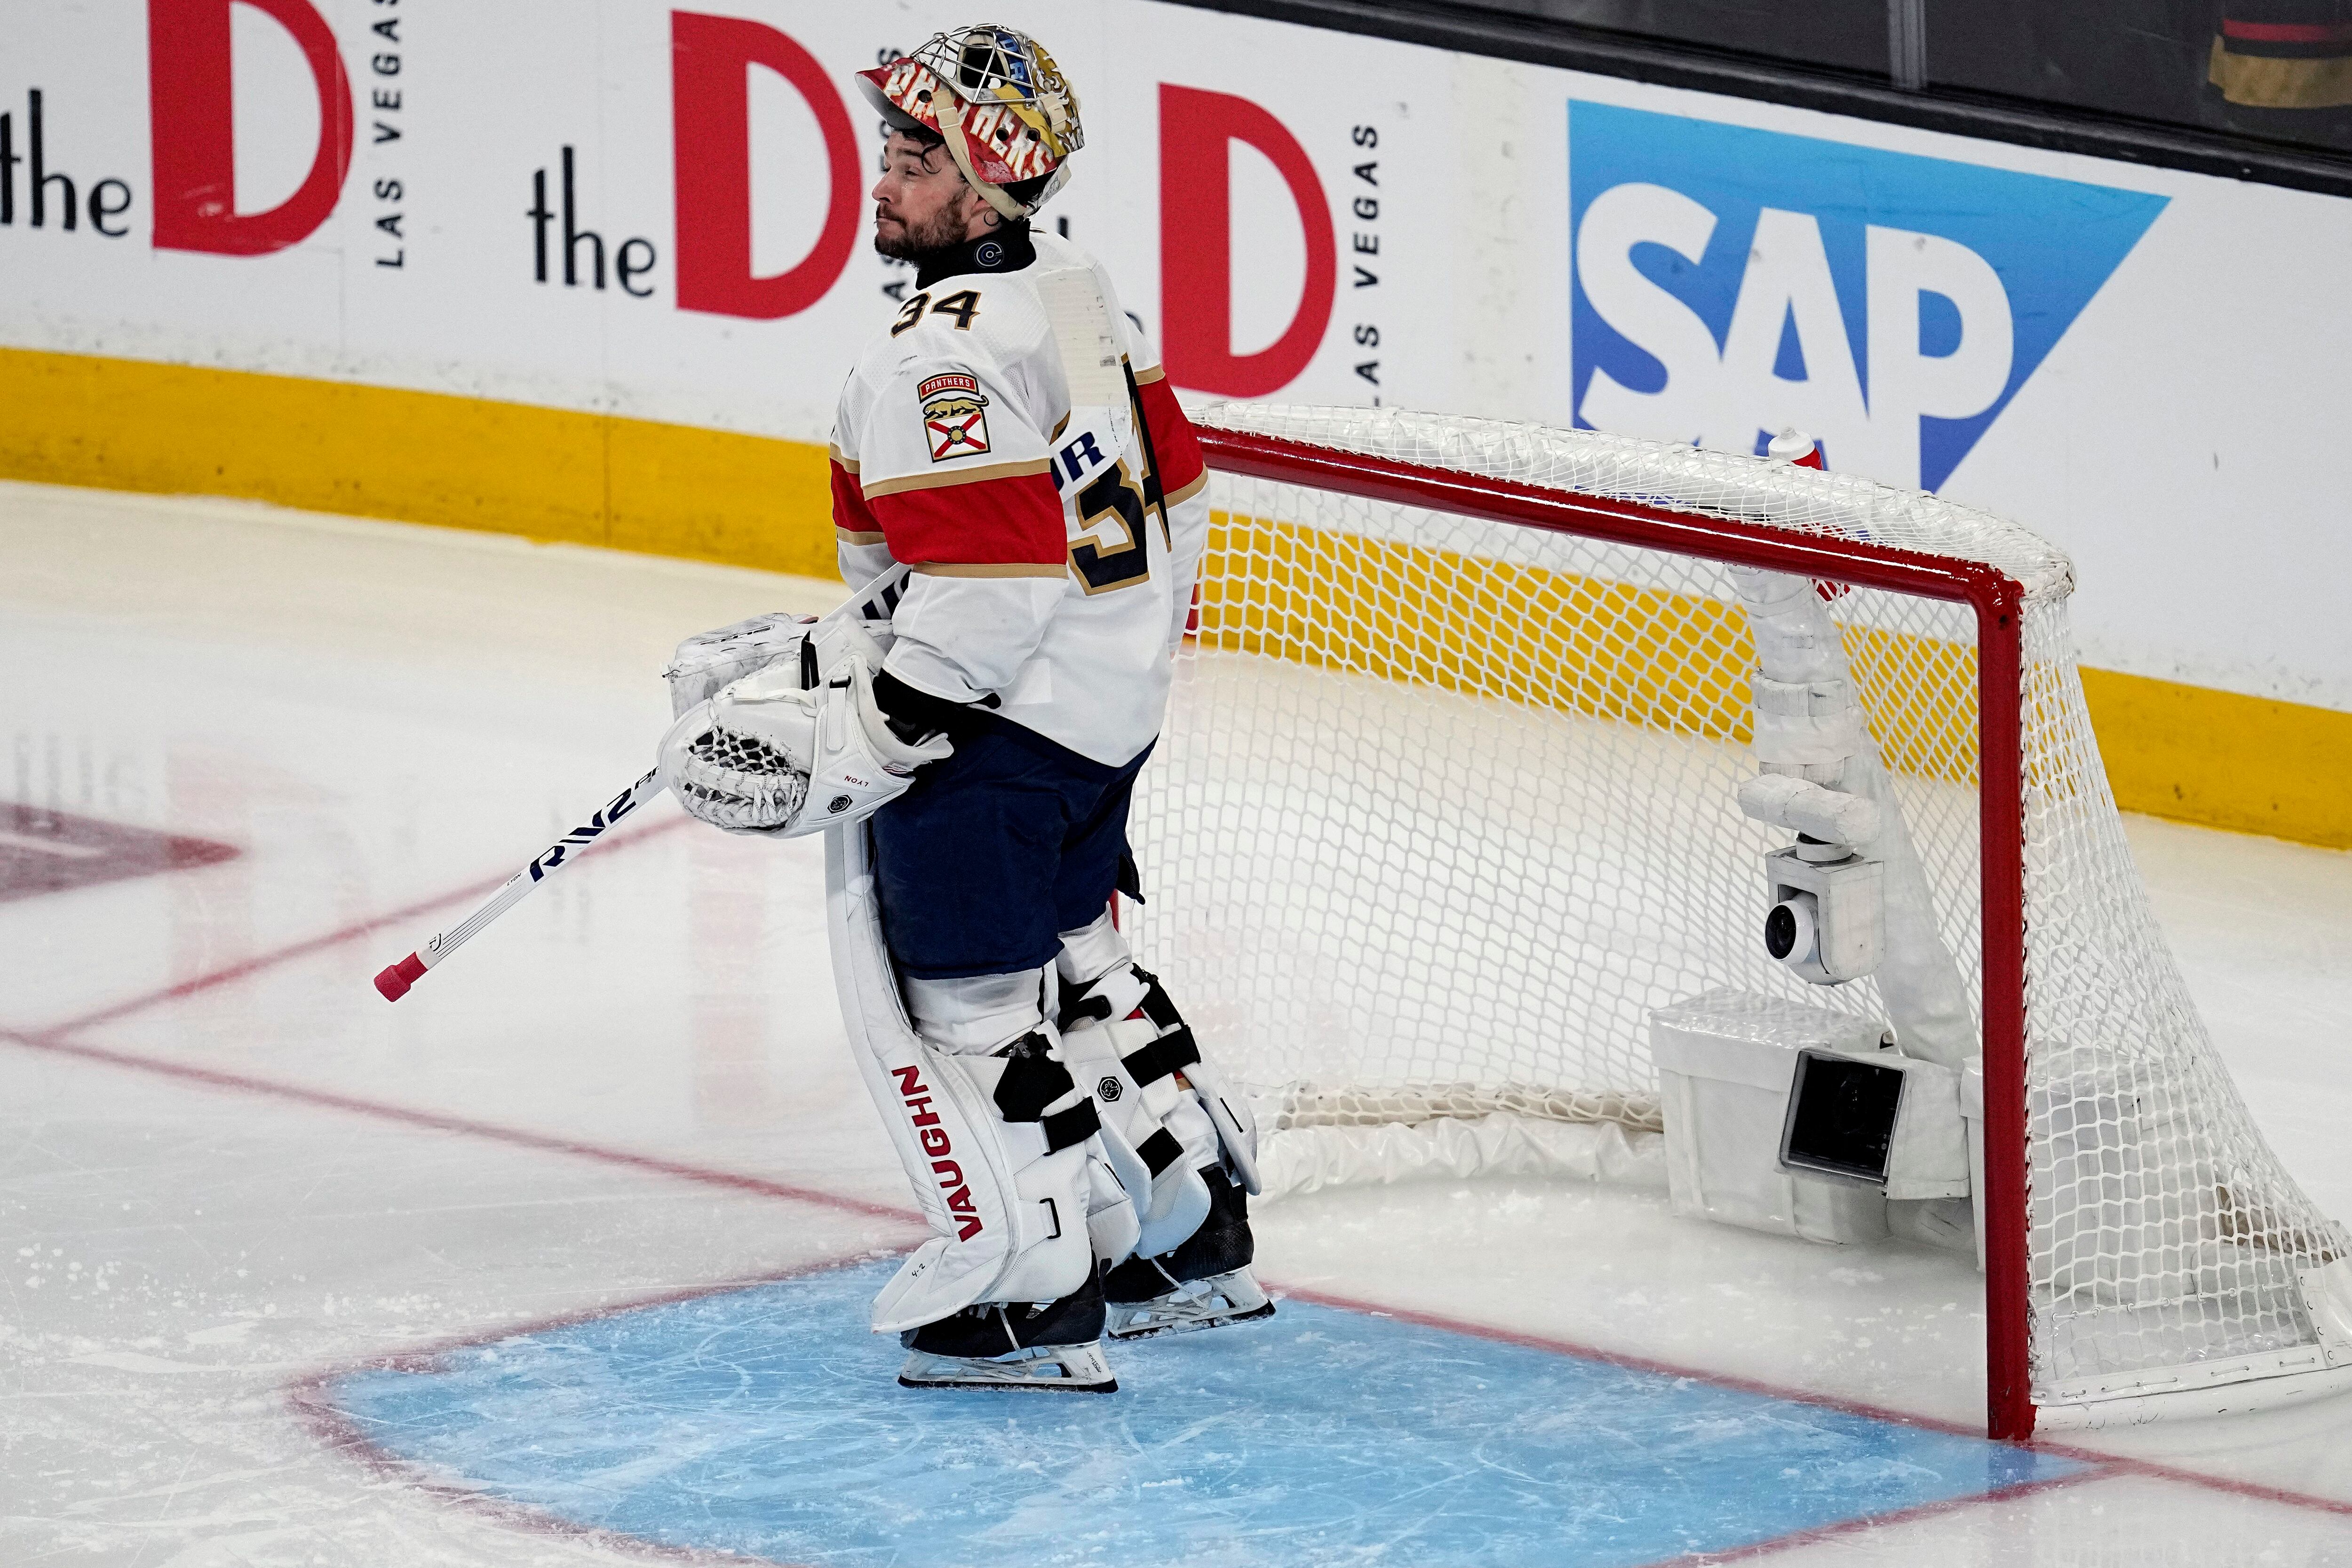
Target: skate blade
1150	1329
1080	1371
1037	1385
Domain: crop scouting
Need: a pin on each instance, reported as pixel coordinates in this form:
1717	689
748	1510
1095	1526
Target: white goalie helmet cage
998	100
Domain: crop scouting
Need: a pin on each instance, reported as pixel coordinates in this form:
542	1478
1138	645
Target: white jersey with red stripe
1053	550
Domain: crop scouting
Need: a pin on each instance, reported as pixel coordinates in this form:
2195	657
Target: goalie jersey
1011	437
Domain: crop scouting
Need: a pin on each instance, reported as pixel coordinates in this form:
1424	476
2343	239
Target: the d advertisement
653	211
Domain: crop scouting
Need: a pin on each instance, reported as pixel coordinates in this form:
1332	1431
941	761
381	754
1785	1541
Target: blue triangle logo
1730	281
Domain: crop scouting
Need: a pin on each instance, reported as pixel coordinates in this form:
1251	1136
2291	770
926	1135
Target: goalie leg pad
1112	1055
1177	1199
1005	1179
972	1014
977	1014
1155	1054
1007	1199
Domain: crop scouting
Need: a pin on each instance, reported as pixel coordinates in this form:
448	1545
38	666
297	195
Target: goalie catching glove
767	755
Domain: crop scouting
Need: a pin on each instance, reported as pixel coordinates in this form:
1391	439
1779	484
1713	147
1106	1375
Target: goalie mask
997	99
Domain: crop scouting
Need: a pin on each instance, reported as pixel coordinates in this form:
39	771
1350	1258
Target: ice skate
1057	1369
1204	1284
1210	1303
1056	1346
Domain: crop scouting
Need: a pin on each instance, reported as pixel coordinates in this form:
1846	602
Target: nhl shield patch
955	415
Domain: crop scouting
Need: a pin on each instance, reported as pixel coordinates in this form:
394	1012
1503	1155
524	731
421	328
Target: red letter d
195	141
1196	286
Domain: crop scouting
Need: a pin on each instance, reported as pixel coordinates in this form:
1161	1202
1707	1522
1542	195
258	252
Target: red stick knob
395	980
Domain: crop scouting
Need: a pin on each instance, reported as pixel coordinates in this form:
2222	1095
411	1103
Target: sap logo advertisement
1732	282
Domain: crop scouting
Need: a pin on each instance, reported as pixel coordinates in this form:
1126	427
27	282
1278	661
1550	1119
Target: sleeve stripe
851	516
1014	519
1200	482
851	536
877	489
1145	378
1172	441
848	465
989	568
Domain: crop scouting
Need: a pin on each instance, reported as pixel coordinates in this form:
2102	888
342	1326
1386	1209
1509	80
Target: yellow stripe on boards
418	457
2181	751
2200	755
1681	663
1677	662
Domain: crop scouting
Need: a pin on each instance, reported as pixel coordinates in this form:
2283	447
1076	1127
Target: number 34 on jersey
1108	542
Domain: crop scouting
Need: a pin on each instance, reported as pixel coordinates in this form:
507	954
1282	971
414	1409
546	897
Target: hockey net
1445	809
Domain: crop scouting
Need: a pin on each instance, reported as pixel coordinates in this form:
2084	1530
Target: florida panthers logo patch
955	415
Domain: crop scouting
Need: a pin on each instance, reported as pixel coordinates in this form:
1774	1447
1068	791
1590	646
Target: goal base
1307	1159
2240	1387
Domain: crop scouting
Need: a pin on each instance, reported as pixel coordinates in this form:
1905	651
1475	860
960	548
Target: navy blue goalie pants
997	850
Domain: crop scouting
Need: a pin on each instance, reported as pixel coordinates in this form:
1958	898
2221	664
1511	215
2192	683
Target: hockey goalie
1019	513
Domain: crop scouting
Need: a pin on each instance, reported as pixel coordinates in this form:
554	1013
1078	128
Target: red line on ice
1634	1362
1865	1523
441	1122
353	932
54	1040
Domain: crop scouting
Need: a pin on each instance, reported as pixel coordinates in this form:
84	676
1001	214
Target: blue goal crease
767	1422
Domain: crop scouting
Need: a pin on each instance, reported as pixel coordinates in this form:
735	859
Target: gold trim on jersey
880	487
1145	378
848	464
1199	481
852	536
989	568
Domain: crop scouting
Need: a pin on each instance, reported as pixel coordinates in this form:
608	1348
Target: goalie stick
394	980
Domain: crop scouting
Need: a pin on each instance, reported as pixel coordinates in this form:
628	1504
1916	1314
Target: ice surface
613	1094
763	1422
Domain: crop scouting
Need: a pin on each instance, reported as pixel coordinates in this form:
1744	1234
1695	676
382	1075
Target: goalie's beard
918	242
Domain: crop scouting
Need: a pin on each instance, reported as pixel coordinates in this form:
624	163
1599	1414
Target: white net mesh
1445	807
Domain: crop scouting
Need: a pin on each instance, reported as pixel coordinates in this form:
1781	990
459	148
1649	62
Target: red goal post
1492	523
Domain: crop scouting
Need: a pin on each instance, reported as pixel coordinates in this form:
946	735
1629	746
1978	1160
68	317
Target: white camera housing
1827	920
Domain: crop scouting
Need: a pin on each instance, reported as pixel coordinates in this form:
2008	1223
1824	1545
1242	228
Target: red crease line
1645	1363
427	1357
1866	1523
2156	1470
50	1040
334	1428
